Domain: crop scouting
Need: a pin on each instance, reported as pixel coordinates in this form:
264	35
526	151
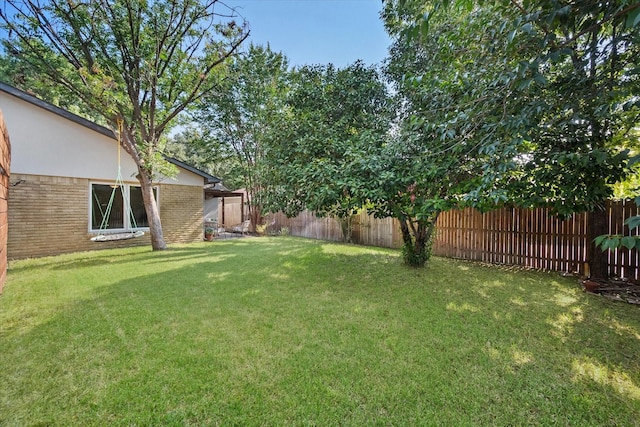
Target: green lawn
284	331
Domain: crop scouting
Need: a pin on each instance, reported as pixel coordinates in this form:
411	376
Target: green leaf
598	240
628	242
633	18
613	242
424	27
540	79
633	222
606	245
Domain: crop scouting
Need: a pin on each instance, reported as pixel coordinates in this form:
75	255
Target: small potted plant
208	233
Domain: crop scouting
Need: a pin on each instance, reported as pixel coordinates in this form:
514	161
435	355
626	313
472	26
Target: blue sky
318	31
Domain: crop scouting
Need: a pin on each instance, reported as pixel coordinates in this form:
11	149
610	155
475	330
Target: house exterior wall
54	160
50	215
182	213
211	208
49	145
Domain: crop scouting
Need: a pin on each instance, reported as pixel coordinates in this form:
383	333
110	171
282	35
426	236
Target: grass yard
285	331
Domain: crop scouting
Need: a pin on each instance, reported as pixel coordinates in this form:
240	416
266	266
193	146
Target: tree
136	64
584	110
336	120
242	116
194	146
461	125
544	91
14	71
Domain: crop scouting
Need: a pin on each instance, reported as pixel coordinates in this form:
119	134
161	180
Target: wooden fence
367	230
533	238
530	238
623	262
514	236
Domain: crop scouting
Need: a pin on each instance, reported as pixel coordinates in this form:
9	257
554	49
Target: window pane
100	195
137	206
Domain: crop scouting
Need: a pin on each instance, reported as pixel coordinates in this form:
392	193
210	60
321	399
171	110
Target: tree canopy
242	116
535	98
135	64
500	102
335	121
455	139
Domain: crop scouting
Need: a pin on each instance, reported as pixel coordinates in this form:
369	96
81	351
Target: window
120	217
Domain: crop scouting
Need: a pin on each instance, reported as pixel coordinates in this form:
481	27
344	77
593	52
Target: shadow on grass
102	257
291	331
137	254
603	336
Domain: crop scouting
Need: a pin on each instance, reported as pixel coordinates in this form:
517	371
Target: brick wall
182	213
49	216
5	160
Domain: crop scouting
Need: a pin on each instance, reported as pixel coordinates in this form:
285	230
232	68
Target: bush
416	254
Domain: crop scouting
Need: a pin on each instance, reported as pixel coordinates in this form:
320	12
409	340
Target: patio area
216	231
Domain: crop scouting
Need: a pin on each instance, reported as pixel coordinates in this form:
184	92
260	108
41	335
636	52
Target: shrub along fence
514	236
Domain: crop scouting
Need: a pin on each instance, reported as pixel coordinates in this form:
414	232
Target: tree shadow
590	342
146	349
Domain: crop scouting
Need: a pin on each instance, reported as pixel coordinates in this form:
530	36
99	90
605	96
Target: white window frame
126	215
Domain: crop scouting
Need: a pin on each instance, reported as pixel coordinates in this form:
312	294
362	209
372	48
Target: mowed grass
285	331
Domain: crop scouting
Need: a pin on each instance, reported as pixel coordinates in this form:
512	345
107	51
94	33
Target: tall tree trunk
598	224
127	140
151	208
255	215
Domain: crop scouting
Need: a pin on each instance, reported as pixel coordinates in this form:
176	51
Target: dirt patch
614	289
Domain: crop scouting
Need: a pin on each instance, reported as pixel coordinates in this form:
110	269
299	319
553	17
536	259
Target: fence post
597	260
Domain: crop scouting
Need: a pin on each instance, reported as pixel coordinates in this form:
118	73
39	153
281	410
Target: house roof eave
24	96
56	110
209	179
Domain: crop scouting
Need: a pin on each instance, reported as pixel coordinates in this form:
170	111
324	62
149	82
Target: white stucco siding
45	143
184	177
